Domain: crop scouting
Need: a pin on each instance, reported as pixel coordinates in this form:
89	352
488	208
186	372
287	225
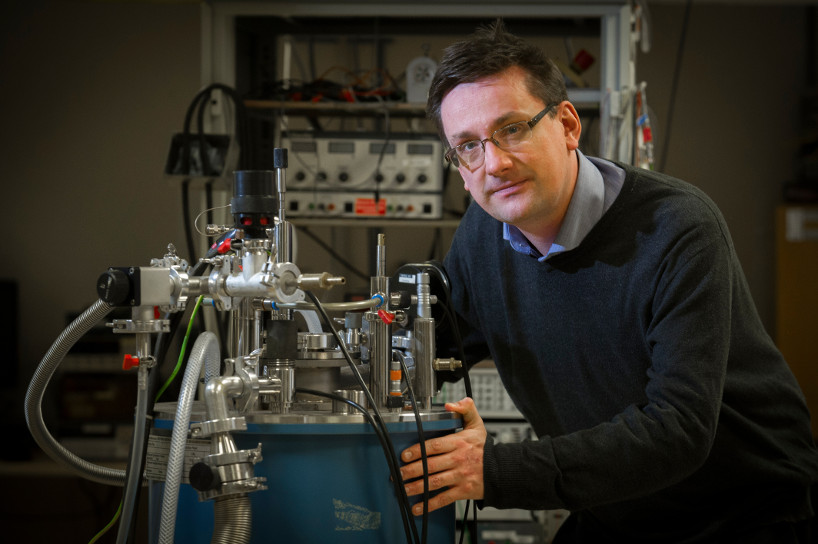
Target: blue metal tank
327	479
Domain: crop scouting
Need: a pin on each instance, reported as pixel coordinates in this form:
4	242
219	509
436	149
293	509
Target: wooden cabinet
797	297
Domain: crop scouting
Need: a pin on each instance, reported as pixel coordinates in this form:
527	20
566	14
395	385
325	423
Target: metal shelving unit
611	19
613	16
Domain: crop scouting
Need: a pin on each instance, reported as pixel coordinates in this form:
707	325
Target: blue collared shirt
598	184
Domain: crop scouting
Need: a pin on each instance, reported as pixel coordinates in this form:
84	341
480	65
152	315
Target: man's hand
455	461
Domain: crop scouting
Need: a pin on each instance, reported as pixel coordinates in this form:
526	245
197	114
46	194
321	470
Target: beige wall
736	125
92	92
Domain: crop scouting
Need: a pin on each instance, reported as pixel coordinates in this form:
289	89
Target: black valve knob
280	158
203	477
115	287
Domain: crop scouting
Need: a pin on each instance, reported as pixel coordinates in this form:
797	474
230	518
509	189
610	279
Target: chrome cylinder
424	344
379	348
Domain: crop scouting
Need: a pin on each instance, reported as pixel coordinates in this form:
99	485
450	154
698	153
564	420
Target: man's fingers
436	446
454	461
436	481
434	463
468	410
438	501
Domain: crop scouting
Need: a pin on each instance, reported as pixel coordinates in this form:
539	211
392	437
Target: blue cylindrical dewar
326	482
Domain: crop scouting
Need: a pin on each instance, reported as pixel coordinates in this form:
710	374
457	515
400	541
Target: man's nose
496	159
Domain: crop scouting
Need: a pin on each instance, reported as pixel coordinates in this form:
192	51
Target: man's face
531	185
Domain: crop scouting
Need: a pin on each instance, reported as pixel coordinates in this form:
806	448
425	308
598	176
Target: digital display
342	147
376	148
302	146
420	149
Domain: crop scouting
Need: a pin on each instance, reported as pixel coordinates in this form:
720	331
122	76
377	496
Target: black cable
334	254
451	316
198	106
393	469
436	243
463	524
422	441
207	168
368	416
191	246
675	83
379	433
186	149
387	137
186	170
242	131
209	200
403	500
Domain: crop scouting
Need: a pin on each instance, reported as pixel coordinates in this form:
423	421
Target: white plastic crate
488	392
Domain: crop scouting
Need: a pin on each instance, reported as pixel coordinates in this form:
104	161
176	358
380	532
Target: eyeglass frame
451	154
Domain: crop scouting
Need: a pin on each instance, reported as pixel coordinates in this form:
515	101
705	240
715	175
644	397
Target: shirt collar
585	209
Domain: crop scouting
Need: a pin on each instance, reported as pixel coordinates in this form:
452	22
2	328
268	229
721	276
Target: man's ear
572	127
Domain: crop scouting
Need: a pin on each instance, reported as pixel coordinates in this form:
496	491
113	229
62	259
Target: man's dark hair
490	51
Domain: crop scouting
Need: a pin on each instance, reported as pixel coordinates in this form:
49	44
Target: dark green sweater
663	409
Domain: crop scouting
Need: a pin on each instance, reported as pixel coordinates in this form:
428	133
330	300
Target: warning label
156	462
368	206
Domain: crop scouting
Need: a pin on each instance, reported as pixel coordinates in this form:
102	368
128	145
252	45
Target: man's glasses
471	154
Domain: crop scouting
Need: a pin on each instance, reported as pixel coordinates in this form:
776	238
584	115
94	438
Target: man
614	306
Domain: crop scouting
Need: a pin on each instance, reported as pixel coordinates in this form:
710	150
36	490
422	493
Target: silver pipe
381	255
217	391
379	342
258	324
234	333
424	344
242	322
267	304
36	390
232	515
379	345
283	233
233	520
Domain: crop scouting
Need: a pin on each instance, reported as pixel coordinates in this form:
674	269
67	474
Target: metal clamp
209	428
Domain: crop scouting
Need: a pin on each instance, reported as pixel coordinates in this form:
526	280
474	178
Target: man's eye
512	130
469	146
